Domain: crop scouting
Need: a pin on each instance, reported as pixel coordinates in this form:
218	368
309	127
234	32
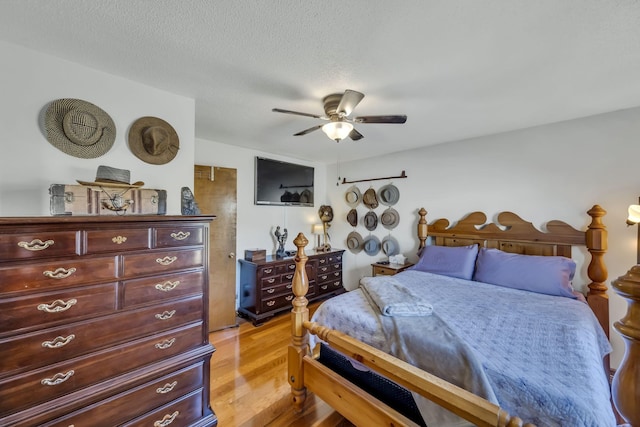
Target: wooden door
215	192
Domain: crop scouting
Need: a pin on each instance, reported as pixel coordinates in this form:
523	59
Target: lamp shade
634	215
317	229
337	130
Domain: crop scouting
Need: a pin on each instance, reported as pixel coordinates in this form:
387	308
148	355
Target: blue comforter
542	355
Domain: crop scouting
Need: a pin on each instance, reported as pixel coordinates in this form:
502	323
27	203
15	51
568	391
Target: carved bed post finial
625	388
422	228
299	346
596	241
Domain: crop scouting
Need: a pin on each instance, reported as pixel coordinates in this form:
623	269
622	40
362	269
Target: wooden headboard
510	233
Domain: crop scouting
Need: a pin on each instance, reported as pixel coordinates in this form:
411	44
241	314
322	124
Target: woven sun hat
388	194
390	218
370	221
369	199
153	140
371	245
352	217
79	128
353	196
355	242
112	177
390	246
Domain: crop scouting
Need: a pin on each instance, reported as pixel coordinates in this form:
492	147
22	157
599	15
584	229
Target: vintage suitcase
90	200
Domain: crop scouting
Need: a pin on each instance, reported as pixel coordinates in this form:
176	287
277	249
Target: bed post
422	228
299	346
596	241
625	388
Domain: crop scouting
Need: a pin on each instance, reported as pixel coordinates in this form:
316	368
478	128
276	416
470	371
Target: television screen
282	183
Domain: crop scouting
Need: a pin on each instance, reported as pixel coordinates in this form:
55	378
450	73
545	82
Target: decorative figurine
326	216
189	205
282	239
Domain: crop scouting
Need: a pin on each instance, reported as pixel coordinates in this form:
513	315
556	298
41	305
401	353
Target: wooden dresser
265	286
103	321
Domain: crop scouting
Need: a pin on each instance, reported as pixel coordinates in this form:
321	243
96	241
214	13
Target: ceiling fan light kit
337	108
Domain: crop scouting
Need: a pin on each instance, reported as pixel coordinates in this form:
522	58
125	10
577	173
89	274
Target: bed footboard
305	373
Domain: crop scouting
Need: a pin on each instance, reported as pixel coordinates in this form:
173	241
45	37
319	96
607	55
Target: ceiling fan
338	107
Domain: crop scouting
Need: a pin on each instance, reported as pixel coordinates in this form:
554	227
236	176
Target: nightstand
378	269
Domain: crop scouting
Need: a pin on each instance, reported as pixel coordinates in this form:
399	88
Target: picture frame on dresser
266	285
103	321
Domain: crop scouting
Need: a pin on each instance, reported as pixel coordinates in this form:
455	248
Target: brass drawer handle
337	273
57	306
289	286
59	273
270	303
165	344
271	280
166	315
324	277
322	261
292	267
58	342
289	297
289	276
268	270
36	245
166	420
324	287
167	286
271	290
166	260
336	284
58	378
167	388
180	235
118	240
323	269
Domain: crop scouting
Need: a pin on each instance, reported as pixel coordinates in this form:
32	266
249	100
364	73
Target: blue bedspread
542	355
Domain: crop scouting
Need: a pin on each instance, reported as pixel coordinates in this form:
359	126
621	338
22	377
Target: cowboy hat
79	128
352	217
390	246
153	140
370	221
353	196
354	242
390	218
106	176
388	195
369	199
371	245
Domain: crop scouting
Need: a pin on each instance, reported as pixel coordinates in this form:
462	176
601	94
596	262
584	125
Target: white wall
29	164
548	172
256	223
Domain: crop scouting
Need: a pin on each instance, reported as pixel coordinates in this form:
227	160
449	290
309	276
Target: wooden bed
509	234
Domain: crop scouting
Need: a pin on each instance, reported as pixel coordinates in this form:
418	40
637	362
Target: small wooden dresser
265	286
103	321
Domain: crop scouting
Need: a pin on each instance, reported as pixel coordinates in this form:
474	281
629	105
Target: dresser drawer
332	276
285	288
180	413
129	405
179	236
267	271
161	261
275	302
289	267
126	239
153	289
329	286
56	274
57	380
38	245
49	308
57	344
269	282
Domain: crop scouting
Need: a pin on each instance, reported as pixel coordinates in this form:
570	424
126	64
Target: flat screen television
283	184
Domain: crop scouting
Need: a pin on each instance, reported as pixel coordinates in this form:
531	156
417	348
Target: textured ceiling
457	69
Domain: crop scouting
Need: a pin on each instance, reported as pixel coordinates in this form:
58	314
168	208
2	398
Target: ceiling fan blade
380	119
355	135
279	110
306	131
348	102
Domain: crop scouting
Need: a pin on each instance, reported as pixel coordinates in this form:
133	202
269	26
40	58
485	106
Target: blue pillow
549	275
454	261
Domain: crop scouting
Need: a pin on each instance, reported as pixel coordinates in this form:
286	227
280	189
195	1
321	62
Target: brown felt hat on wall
79	128
153	140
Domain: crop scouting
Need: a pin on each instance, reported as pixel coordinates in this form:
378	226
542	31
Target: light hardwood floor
249	385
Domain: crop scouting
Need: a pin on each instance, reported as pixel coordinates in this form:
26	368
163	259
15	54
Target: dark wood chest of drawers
103	321
265	286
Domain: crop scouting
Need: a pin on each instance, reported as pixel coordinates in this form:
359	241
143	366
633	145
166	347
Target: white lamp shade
337	130
634	214
317	229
